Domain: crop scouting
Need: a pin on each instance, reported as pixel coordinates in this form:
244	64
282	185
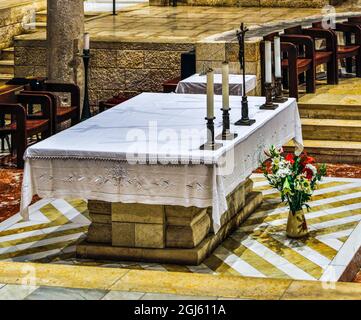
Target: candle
86	41
268	58
225	85
210	94
278	73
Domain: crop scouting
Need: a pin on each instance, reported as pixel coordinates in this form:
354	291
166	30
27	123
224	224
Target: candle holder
279	98
269	105
226	133
245	120
86	114
210	144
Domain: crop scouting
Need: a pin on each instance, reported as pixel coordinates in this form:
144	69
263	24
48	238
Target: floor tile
123	295
16	292
54	293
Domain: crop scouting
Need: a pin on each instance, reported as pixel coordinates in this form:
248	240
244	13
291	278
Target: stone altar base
163	234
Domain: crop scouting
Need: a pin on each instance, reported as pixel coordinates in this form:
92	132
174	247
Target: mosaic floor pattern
259	248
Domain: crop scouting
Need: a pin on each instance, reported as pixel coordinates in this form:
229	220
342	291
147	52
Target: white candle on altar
86	41
278	73
268	61
225	85
210	94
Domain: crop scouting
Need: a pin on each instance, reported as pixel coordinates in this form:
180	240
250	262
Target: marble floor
181	24
258	248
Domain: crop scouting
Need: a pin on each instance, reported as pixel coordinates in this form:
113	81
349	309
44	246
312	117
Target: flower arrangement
295	177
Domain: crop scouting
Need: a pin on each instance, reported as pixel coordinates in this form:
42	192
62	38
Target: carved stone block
149	235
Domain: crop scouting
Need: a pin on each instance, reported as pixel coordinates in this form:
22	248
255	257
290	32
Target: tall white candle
278	73
210	94
268	61
225	85
86	41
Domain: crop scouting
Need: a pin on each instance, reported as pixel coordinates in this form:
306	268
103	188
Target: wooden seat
293	64
60	113
302	64
322	56
22	127
350	50
171	85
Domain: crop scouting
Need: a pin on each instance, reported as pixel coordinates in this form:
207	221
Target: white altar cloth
197	84
91	159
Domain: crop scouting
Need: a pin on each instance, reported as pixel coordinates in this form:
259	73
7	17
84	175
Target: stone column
65	29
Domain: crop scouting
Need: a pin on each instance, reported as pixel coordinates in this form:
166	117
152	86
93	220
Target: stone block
149	235
188	236
100	233
162	59
211	51
107	78
100	207
182	216
130	59
104	58
100	218
138	213
123	234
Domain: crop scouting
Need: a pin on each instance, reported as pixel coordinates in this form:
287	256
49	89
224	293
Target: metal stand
269	105
210	144
114	8
226	133
245	120
86	114
279	98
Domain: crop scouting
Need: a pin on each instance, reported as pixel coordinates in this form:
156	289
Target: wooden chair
110	103
351	50
22	126
62	113
171	85
326	55
292	64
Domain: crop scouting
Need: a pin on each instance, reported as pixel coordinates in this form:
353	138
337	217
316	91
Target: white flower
283	172
312	168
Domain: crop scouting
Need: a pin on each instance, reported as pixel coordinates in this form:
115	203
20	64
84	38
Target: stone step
5	78
331	129
331	151
35	26
8	53
41	16
350	111
7	67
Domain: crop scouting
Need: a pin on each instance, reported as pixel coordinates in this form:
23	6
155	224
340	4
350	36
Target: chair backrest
271	36
293	30
355	19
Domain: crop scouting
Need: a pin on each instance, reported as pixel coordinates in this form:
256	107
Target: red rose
309	173
290	158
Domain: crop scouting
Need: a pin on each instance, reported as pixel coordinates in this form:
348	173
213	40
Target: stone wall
212	54
124	67
252	3
14	16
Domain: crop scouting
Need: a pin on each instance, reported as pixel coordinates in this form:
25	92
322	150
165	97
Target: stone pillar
65	29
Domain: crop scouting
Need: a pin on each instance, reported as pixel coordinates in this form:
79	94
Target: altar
152	194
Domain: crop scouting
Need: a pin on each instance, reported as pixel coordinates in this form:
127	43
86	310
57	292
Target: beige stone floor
182	24
347	92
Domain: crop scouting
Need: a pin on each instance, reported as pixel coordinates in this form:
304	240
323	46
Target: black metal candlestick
210	144
279	98
269	105
245	120
86	114
114	8
226	133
